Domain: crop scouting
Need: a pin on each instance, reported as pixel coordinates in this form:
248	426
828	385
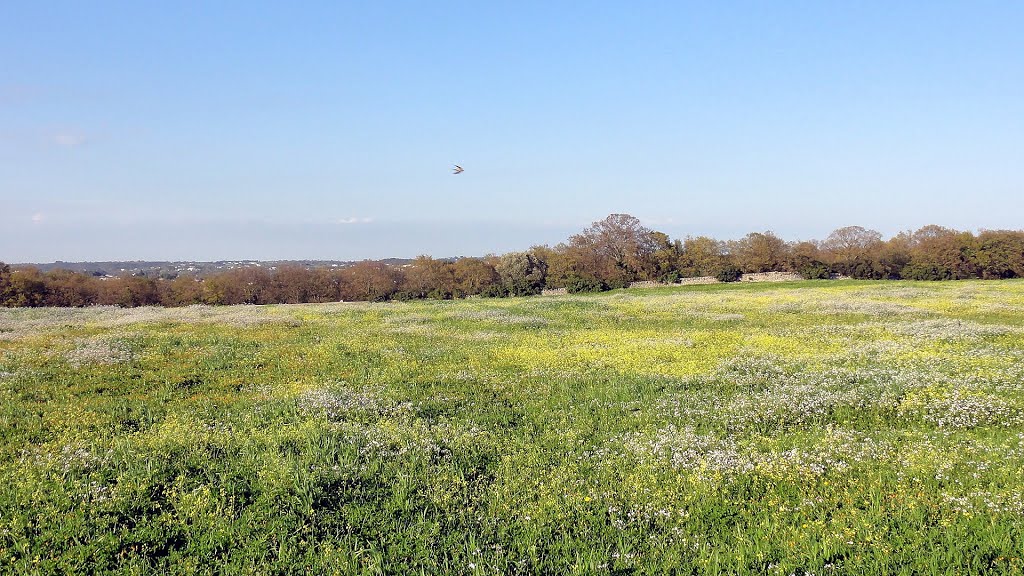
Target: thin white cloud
38	217
69	138
354	220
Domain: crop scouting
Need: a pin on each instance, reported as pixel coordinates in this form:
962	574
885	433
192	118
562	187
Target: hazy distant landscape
171	270
615	252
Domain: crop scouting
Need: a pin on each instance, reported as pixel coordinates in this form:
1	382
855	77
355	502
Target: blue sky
328	131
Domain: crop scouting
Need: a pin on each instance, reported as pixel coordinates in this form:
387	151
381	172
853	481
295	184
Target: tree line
611	253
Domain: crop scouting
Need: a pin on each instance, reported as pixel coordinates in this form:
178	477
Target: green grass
816	427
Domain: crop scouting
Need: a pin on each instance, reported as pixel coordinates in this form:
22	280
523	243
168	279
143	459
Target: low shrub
578	284
815	271
729	273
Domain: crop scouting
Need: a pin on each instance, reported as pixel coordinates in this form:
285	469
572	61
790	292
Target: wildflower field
810	427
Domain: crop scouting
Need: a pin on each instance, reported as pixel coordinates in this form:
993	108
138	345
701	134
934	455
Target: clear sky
328	130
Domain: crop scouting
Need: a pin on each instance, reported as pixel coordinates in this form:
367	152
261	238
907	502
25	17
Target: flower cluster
98	351
339	403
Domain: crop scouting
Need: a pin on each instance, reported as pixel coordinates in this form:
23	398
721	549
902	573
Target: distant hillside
192	268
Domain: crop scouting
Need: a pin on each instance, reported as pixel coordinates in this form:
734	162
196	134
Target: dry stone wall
699	280
755	277
771	277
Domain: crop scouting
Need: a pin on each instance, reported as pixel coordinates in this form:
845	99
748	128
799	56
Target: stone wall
699	280
771	277
682	282
646	284
756	277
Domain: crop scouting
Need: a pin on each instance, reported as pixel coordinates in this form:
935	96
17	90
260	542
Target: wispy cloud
69	138
38	217
354	220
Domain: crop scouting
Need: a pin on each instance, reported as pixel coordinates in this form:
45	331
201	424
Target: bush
729	273
815	271
672	277
616	283
925	272
577	284
864	269
494	291
440	294
521	274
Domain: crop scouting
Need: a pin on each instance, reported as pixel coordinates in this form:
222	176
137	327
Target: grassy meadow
802	428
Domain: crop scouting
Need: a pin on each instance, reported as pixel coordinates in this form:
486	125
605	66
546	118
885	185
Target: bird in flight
458	169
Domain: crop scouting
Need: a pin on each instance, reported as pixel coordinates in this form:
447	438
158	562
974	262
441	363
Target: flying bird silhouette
458	169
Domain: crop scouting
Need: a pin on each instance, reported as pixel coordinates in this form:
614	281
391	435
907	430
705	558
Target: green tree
182	291
430	278
616	250
370	280
291	284
760	252
853	251
219	289
129	291
325	285
665	258
67	288
806	259
939	253
1000	254
27	288
894	255
701	256
474	275
5	284
521	274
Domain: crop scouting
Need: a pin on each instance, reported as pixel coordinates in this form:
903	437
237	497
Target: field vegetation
843	427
